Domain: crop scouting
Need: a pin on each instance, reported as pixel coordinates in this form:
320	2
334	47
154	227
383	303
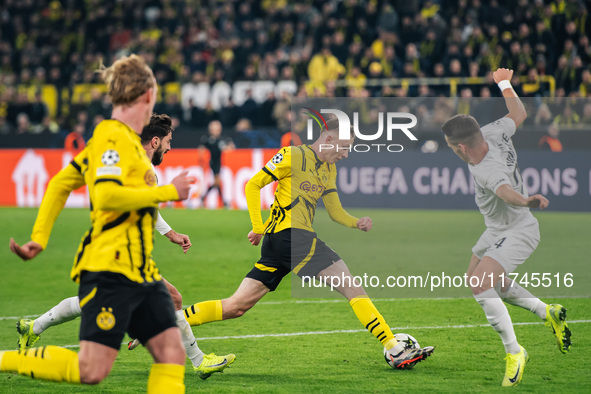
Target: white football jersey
498	167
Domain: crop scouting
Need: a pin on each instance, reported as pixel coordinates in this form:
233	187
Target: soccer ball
409	343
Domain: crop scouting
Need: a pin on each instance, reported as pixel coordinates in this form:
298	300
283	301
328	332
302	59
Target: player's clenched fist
502	74
183	183
364	224
254	238
26	252
537	201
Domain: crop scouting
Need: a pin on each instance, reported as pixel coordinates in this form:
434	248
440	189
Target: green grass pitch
329	351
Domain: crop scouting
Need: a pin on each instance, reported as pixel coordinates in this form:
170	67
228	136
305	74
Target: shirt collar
319	162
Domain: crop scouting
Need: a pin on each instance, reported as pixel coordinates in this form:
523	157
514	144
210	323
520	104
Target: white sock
193	352
497	315
518	296
67	310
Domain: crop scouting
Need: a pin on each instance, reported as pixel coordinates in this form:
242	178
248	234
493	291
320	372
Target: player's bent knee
91	380
476	290
92	374
95	361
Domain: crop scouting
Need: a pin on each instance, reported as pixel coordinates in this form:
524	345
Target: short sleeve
80	162
280	165
503	126
115	155
491	178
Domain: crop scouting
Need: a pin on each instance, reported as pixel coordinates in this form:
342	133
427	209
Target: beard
158	157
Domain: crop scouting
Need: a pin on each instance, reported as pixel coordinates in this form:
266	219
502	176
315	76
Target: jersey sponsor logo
150	178
278	158
105	320
308	187
108	170
110	157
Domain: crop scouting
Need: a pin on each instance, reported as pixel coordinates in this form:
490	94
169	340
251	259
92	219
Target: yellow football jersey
121	179
302	180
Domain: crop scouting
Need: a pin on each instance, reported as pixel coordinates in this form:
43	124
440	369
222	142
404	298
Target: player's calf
233	310
177	298
167	347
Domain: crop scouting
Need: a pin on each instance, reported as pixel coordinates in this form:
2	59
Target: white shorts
511	247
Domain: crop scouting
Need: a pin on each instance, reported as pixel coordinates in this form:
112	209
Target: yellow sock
166	378
369	316
204	312
48	362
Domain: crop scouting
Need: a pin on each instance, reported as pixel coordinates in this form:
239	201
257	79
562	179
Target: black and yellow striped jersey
302	180
124	199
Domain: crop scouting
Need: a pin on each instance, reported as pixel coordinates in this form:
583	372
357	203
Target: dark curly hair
159	126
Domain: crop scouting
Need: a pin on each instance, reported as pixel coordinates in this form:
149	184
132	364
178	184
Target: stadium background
241	62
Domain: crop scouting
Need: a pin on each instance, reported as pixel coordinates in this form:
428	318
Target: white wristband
505	84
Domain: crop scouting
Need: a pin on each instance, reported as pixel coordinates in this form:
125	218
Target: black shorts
112	305
294	250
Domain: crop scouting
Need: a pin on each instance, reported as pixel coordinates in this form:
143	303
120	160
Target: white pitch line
17	318
297	334
335	301
276	303
341	300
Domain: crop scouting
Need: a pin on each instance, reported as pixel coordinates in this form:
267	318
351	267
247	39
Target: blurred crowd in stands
323	48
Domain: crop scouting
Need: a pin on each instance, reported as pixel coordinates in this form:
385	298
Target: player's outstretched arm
510	196
58	190
252	190
517	113
110	196
337	213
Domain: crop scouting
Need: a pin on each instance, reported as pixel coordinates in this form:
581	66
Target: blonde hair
127	79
